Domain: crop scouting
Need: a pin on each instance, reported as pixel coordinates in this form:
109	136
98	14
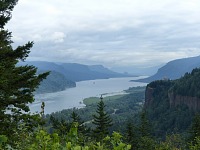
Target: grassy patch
93	100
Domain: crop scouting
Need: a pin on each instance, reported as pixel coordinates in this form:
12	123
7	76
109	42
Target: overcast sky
140	33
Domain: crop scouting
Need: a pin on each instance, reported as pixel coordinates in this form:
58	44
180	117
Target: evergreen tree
144	126
131	135
76	118
84	132
17	83
61	126
145	139
102	121
81	127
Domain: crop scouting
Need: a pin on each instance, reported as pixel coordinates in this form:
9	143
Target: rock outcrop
193	103
148	96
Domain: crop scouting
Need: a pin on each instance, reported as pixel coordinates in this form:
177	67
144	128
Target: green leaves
3	139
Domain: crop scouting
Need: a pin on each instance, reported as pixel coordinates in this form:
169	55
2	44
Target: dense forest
54	82
121	122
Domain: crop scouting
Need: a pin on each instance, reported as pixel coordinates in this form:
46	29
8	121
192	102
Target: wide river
73	97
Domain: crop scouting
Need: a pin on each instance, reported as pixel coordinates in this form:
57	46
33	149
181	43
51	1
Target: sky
114	33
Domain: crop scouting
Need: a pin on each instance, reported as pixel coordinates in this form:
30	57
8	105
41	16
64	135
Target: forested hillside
119	107
55	82
171	104
168	120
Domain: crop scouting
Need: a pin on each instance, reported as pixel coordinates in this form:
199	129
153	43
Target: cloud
114	32
58	37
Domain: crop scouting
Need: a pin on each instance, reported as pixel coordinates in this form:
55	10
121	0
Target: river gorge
73	97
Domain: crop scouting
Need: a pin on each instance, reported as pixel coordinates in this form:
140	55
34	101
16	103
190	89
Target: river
73	97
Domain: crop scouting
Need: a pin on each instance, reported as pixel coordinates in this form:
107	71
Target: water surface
73	97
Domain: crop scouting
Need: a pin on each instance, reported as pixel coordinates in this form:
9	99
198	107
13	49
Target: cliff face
148	96
193	103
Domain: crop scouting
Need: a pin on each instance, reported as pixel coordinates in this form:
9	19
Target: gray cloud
113	33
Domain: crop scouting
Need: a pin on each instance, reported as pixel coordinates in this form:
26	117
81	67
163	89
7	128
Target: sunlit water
73	97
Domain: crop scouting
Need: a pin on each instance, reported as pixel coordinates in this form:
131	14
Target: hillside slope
55	82
174	69
171	104
77	72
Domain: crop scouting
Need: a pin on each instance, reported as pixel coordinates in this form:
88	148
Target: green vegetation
168	118
119	107
157	126
55	82
102	121
94	100
188	85
17	84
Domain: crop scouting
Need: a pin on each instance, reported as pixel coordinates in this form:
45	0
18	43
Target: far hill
174	69
77	72
54	82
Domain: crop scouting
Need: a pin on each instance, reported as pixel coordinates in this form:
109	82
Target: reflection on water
73	97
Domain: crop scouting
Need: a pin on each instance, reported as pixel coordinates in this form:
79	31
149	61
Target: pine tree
145	139
17	83
131	135
102	121
144	126
76	118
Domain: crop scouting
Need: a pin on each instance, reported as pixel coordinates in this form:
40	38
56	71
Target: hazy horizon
117	34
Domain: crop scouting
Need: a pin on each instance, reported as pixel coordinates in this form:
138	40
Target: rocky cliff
172	104
153	95
193	103
148	96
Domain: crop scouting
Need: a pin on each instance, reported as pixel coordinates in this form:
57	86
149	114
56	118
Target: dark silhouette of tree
17	83
144	126
145	139
61	126
131	135
102	121
76	118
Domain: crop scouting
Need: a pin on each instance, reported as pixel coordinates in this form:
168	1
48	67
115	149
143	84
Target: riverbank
74	97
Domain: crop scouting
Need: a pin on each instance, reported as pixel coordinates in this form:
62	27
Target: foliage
60	126
172	142
42	140
120	108
144	126
54	82
102	121
195	129
5	11
3	139
140	135
188	85
17	84
195	146
164	118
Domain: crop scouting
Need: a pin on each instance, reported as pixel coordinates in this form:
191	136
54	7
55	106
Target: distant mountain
77	72
174	69
138	71
102	69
